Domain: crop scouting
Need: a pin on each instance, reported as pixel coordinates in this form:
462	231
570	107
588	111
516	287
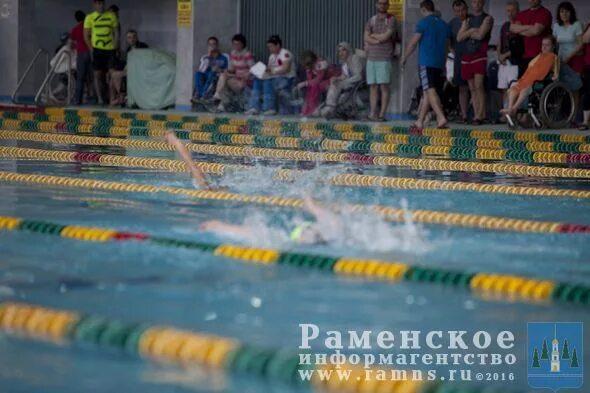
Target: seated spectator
276	82
316	82
538	69
237	77
353	72
117	75
213	64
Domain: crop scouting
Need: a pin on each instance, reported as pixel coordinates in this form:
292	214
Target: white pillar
184	53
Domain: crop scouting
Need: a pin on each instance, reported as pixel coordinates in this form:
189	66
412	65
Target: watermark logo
555	353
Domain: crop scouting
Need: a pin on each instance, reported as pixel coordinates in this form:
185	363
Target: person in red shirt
586	89
533	24
82	56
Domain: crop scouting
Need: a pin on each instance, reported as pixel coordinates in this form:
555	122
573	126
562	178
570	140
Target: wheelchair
353	104
550	105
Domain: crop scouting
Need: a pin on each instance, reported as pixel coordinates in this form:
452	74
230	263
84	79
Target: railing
28	71
51	74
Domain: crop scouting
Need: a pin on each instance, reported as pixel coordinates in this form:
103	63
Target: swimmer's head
306	233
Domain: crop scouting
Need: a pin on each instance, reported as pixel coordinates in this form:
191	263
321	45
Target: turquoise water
136	282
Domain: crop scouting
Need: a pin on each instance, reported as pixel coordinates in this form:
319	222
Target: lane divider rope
278	148
354	180
487	285
389	213
169	344
159	120
413	163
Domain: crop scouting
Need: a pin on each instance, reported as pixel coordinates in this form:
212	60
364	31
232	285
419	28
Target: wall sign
185	13
396	8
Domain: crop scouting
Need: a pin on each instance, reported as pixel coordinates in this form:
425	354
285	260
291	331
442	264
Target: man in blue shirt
432	36
211	66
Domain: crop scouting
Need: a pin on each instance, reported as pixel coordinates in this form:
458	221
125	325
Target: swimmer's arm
322	215
196	173
225	229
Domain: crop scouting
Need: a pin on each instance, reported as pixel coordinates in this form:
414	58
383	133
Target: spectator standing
102	37
511	49
568	33
532	24
237	77
380	35
82	56
116	80
586	90
476	31
432	36
211	66
353	72
276	82
459	48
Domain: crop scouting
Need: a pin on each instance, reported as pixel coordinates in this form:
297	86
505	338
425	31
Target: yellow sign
396	8
185	13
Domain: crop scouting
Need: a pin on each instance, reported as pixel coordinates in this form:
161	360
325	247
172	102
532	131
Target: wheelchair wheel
558	107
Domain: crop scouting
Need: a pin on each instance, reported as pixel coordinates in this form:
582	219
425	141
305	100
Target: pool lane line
489	285
399	183
159	120
309	150
389	213
412	163
353	142
185	348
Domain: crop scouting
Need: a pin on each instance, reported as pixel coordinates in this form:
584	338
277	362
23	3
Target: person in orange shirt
537	70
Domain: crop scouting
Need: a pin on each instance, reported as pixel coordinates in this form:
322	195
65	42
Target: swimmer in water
321	230
199	178
309	232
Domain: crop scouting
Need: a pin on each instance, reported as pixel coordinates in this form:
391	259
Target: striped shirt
378	25
241	62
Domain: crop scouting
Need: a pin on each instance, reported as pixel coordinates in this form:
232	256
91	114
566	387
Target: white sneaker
270	112
221	107
251	112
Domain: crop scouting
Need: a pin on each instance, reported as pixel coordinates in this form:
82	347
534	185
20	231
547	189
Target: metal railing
40	52
50	73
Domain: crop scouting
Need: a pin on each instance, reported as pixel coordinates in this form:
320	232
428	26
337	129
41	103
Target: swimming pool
260	305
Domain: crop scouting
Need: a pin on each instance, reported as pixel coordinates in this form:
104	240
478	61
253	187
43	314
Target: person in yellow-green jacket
101	33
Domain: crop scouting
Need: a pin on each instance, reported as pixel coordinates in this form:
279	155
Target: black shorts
431	78
103	60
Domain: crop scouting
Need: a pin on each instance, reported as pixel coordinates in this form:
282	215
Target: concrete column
9	47
185	55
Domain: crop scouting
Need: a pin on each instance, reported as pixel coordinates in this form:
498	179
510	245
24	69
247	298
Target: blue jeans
270	90
82	71
203	81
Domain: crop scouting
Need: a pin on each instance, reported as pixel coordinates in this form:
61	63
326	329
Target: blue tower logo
555	355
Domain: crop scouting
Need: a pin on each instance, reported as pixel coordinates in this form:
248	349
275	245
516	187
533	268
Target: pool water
261	305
